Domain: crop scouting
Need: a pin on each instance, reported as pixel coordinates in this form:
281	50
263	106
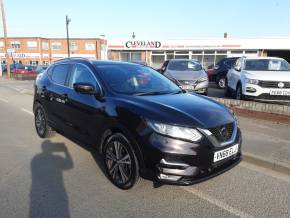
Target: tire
239	93
221	82
43	130
227	90
120	161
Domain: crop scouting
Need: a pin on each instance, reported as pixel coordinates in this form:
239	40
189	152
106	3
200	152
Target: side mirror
85	88
238	68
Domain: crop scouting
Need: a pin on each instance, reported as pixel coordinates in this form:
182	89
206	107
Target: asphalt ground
58	178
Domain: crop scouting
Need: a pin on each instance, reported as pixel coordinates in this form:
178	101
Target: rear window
184	65
59	73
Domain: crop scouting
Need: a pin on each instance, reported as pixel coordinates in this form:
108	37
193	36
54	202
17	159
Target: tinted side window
81	74
59	73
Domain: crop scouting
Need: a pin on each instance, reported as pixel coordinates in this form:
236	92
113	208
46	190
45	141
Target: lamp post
67	21
5	38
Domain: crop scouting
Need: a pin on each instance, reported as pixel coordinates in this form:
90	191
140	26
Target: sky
149	19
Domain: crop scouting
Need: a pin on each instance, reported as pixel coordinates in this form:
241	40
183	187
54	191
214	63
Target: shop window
237	52
32	44
125	56
157	52
56	45
251	52
136	56
15	44
196	52
181	56
197	58
1	44
157	61
209	52
90	46
208	60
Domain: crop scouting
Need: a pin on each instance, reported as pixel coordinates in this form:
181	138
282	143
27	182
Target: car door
57	92
84	111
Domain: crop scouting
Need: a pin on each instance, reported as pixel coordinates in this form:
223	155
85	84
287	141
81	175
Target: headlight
202	79
252	81
175	131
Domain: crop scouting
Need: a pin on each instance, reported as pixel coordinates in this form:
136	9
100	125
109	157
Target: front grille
223	133
187	82
273	84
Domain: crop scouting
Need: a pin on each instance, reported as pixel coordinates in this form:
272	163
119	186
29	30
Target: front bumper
178	162
200	88
256	92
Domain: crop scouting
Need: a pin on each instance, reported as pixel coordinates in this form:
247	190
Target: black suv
221	69
141	122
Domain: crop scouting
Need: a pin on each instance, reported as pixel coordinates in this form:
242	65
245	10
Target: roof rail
70	58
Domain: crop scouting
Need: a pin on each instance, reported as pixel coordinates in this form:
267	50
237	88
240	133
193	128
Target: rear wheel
40	120
221	81
120	160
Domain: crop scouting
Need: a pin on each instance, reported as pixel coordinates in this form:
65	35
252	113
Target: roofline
57	38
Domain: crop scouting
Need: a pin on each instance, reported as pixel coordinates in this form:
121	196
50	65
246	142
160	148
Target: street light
67	21
5	38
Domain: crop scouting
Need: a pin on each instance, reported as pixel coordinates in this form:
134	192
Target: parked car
22	69
189	74
40	68
262	78
209	72
221	69
141	122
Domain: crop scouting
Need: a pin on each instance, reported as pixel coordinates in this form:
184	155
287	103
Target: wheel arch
117	128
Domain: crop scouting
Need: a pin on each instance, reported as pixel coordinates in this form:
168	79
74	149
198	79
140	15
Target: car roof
262	58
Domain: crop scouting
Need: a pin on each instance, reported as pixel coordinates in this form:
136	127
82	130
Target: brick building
43	51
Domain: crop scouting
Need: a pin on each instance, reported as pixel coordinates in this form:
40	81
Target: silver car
189	74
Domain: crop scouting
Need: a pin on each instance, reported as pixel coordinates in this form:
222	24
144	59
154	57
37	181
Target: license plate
187	87
280	92
223	154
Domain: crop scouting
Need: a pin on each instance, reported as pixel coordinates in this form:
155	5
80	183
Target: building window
125	56
1	44
33	63
15	44
32	44
45	45
73	45
90	46
56	45
157	61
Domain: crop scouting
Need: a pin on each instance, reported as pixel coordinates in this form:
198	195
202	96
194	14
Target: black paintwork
91	118
224	66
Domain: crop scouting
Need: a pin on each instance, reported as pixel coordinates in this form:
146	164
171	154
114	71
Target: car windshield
267	65
184	65
134	79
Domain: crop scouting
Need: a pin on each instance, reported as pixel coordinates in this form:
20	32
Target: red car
23	69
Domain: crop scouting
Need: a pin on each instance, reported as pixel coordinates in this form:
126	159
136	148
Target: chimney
225	35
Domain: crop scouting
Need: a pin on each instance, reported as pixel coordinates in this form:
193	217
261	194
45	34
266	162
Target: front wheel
40	120
221	82
120	160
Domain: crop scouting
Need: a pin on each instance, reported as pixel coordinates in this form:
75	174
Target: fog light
162	176
250	89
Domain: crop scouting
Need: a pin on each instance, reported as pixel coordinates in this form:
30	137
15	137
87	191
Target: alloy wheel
222	83
40	121
118	162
